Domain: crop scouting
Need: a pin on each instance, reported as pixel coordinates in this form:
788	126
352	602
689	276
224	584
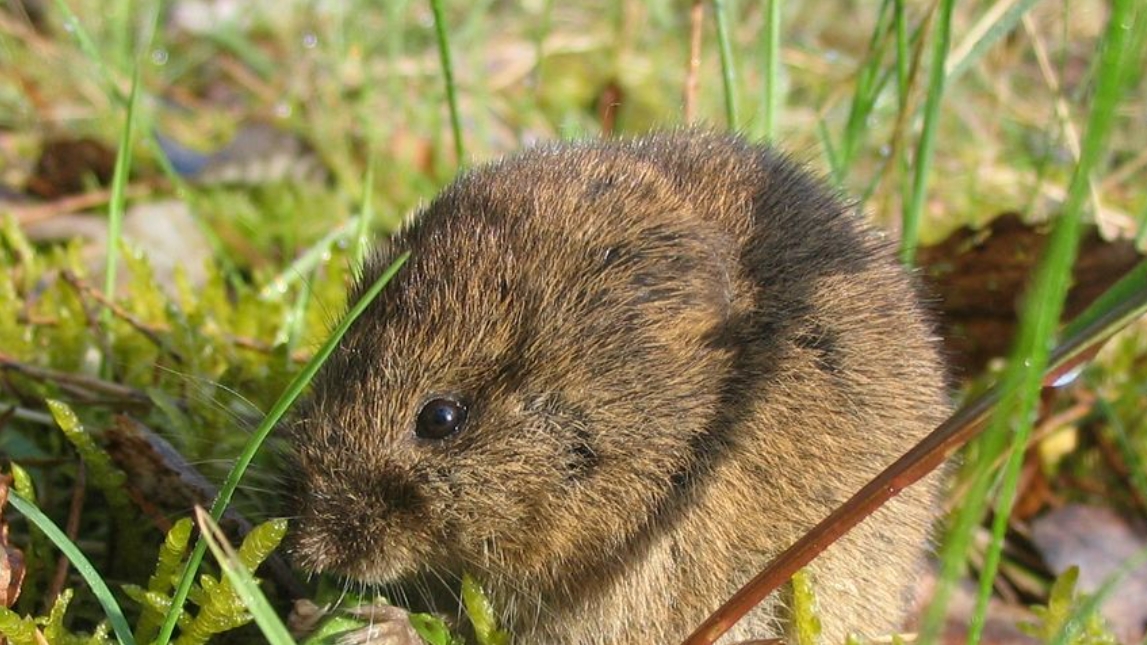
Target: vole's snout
357	523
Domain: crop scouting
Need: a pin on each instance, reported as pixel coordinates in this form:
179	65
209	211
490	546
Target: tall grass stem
1022	380
448	79
728	63
910	223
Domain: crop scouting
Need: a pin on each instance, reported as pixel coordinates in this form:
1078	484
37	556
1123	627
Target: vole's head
527	392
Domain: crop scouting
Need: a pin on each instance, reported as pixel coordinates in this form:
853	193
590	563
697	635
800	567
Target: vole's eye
440	418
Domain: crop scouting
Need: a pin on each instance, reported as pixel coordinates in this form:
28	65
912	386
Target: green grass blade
772	43
997	22
903	53
448	78
83	566
365	217
1124	300
305	264
88	47
728	70
120	17
117	203
1141	239
835	167
395	45
1119	306
868	85
542	30
231	39
1024	375
1136	468
910	227
295	320
116	207
903	90
244	584
253	444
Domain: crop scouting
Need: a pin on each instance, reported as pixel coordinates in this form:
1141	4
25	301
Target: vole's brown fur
679	353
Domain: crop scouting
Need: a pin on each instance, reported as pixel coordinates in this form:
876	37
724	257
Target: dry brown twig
26	214
84	385
153	333
72	529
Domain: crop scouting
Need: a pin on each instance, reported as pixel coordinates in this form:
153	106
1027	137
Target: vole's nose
341	522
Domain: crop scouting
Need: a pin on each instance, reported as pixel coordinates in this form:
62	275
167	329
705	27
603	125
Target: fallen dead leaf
977	278
11	558
66	166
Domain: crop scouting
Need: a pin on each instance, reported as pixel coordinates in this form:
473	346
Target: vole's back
677	354
832	374
836	374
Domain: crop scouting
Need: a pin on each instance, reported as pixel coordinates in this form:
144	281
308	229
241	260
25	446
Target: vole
613	380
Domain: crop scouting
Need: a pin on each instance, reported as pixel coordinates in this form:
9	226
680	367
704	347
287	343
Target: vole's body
677	353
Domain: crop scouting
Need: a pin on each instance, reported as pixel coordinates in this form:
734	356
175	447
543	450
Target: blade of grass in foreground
996	23
1011	423
88	47
99	588
306	262
277	411
1136	470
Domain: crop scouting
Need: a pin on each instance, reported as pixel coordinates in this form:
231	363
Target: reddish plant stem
72	529
922	459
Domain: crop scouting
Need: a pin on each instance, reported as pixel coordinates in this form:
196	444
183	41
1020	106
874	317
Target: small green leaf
154	600
102	471
170	556
432	629
806	624
54	630
1069	617
332	629
18	631
261	541
22	481
481	613
237	598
